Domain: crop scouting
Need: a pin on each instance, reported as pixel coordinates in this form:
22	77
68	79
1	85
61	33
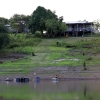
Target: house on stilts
79	28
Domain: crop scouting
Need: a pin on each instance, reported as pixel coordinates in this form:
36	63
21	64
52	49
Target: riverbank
74	58
64	73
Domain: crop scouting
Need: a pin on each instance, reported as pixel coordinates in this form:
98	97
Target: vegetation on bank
72	51
42	19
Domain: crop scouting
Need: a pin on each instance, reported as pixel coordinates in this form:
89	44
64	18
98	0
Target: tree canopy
4	38
3	20
3	29
19	22
45	19
38	18
97	24
54	27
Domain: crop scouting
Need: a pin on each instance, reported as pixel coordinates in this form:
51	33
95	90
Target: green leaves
44	19
63	27
37	22
55	26
4	39
3	21
3	29
19	22
38	19
97	24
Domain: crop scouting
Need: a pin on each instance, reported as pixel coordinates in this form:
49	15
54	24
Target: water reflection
85	90
48	90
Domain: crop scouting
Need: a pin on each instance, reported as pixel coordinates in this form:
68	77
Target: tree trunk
48	35
54	35
41	33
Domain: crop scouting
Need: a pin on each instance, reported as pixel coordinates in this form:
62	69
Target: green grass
49	54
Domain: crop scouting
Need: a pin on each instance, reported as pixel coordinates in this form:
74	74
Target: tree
63	27
55	26
3	29
38	18
4	38
3	20
19	22
44	19
60	18
97	24
52	26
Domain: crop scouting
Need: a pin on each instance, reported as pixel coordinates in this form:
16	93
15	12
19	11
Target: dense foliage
19	22
3	20
43	19
97	24
4	38
3	29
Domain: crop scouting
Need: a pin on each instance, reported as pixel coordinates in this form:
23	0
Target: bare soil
10	56
64	73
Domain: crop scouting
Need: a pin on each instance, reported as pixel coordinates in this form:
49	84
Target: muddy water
48	90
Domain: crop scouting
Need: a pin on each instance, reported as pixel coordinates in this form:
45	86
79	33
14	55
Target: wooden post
91	28
33	54
83	29
77	30
84	65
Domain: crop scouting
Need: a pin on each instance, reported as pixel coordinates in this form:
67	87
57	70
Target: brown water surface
48	90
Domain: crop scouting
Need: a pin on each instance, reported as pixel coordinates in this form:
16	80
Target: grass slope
69	52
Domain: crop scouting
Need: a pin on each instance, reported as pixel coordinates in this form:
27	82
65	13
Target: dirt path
10	56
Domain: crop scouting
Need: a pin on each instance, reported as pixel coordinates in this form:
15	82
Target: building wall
77	29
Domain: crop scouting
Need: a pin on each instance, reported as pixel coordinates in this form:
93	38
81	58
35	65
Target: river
48	90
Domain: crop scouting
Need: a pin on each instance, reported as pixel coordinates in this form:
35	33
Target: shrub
37	34
13	45
4	39
29	36
3	29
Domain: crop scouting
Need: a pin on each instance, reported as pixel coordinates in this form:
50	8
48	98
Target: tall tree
19	22
54	27
97	24
3	29
4	38
38	18
45	19
3	21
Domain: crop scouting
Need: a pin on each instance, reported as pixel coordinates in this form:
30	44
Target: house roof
79	22
7	25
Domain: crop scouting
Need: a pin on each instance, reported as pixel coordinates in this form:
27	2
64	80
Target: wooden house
79	28
9	27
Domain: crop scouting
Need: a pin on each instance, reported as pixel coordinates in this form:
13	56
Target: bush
3	29
4	39
37	34
13	45
29	36
30	42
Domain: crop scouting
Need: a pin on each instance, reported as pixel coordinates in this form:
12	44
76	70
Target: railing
79	29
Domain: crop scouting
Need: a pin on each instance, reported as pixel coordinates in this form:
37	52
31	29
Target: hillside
72	57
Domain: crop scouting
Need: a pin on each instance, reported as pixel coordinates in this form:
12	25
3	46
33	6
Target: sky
71	10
